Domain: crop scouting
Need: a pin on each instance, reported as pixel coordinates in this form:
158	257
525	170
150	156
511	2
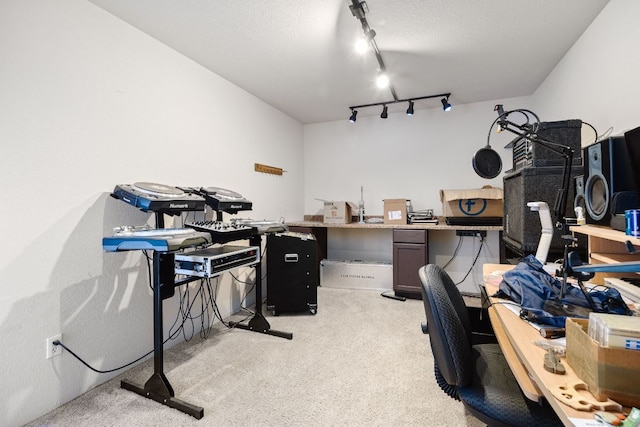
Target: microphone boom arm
528	131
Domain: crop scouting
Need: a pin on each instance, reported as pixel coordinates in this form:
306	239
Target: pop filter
487	163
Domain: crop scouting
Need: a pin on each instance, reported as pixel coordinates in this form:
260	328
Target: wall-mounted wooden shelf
268	169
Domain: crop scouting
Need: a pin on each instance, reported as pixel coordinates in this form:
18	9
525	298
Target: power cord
186	315
473	263
455	253
58	342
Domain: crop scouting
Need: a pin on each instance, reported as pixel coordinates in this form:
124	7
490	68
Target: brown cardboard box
338	212
477	202
609	372
395	211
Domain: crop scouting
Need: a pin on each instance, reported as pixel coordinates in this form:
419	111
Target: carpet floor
362	360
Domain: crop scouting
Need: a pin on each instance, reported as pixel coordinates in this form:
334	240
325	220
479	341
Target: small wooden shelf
606	233
607	246
614	258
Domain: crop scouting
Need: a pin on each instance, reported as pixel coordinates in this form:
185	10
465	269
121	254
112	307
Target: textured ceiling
297	55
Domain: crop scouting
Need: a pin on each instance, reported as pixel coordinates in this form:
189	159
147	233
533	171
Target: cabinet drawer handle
290	257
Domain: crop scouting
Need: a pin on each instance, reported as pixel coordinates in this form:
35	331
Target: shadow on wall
100	301
93	298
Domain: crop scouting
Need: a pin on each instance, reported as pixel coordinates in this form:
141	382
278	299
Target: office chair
477	375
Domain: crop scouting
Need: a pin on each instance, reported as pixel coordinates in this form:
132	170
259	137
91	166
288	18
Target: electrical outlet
52	349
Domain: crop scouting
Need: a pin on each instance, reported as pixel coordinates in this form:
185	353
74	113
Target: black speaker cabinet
522	227
292	282
607	170
531	154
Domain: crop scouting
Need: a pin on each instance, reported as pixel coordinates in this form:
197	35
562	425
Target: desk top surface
604	232
521	337
442	225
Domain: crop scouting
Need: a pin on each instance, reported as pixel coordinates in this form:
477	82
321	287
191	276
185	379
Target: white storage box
356	274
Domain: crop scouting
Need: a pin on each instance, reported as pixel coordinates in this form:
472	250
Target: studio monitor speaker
607	170
578	201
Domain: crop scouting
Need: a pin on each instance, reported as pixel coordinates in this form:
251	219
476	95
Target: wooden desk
410	246
516	338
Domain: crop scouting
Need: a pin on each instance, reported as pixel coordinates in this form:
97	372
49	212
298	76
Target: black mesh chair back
477	375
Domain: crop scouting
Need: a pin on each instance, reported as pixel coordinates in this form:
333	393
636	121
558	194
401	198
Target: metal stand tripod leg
258	322
157	386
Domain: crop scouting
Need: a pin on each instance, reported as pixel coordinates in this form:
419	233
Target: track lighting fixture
410	109
445	104
359	10
385	111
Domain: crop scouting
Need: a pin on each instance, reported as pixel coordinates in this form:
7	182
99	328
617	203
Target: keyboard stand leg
258	322
157	386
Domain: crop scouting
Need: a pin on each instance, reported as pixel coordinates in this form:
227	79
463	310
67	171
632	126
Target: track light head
359	9
384	114
354	113
364	43
410	109
445	104
369	35
382	81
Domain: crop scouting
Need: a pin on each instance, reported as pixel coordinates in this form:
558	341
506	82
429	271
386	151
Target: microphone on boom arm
486	161
502	123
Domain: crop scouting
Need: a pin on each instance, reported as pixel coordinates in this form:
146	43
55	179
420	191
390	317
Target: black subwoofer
522	227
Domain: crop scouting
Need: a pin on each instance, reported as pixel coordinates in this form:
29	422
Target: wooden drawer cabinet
409	254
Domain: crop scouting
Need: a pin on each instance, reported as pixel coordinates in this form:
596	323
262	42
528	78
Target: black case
522	227
292	282
530	154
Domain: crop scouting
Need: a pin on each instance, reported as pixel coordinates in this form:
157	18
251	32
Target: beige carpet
362	360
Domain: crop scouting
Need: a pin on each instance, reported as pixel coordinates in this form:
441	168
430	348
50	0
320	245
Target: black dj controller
152	197
222	232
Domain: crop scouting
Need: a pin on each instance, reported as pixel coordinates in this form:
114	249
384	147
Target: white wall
598	80
404	157
89	102
414	157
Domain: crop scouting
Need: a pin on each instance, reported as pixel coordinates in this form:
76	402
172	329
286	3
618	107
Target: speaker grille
565	132
597	194
522	227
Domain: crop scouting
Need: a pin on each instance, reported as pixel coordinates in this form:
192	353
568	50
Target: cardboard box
356	274
477	202
395	211
338	212
609	372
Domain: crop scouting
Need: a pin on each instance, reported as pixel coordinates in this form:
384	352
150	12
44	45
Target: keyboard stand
258	322
157	386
